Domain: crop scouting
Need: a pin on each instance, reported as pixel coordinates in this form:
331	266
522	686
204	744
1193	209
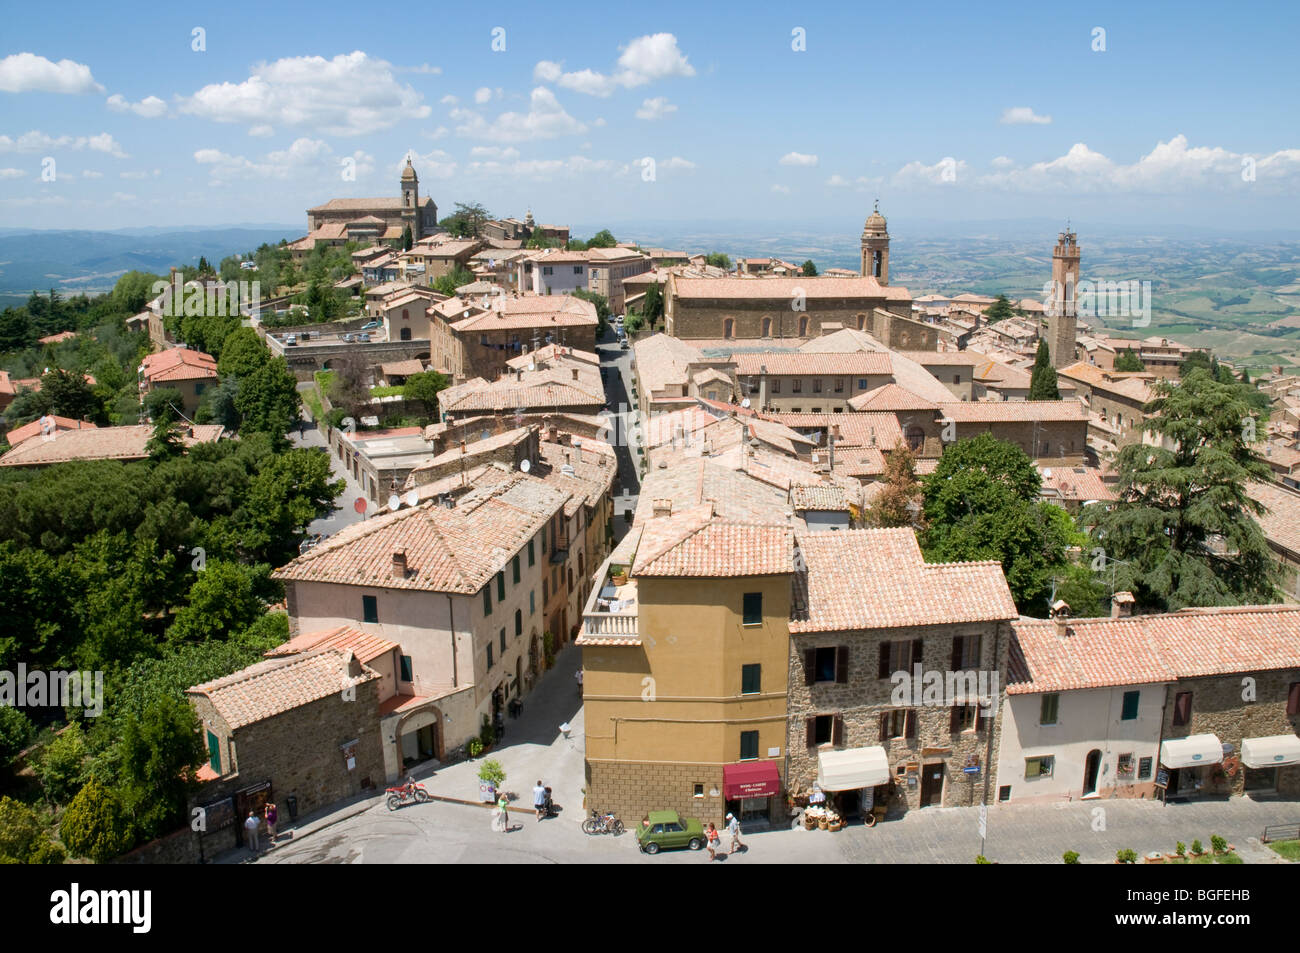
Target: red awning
750	779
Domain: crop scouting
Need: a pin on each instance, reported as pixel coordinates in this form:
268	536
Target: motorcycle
404	794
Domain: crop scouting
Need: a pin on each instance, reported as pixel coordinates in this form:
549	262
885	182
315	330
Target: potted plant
1126	856
492	772
1197	848
618	575
1070	856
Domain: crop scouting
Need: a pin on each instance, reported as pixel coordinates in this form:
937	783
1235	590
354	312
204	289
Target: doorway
932	784
1091	768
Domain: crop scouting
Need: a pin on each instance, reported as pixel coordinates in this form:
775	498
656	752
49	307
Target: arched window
862	322
406	315
767	327
803	327
727	327
915	437
519	623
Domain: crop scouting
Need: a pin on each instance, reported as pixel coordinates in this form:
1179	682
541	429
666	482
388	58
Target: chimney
662	508
1061	616
575	373
1121	605
399	564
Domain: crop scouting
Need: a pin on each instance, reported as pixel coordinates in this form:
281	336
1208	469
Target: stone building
374	219
820	382
868	607
479	336
1062	313
875	247
307	724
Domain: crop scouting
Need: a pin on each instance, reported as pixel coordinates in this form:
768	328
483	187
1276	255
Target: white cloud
437	164
140	175
947	171
676	162
656	108
423	68
449	100
91	174
261	132
545	119
494	152
29	73
151	107
437	133
1023	115
544	169
783	189
482	95
36	141
1002	162
798	158
12	173
644	60
303	158
350	95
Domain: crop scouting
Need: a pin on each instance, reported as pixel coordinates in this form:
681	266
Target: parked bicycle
602	824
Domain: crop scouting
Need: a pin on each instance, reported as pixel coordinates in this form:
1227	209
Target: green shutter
487	599
214	753
1130	706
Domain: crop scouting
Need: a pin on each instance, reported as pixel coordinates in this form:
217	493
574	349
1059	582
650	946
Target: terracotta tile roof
33	429
508	395
786	288
57	338
856	430
694	544
177	364
890	397
876	578
402	368
104	443
661	363
529	311
826	363
1133	387
823	497
386	203
447	550
1075	484
1013	411
555	354
270	688
1097	653
1281	522
347	638
734	494
944	358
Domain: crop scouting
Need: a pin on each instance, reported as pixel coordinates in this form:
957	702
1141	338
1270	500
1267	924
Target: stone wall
633	789
179	847
861	700
706	318
1218	708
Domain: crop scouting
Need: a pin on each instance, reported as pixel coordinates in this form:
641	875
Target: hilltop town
814	551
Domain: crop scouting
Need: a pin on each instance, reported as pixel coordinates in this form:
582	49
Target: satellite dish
745	403
411	498
532	366
525	466
394	503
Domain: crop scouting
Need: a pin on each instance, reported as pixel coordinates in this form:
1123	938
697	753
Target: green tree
652	307
982	503
999	310
22	836
423	389
718	260
1199	360
900	490
15	732
448	283
809	269
1126	361
96	824
602	239
1042	382
159	754
61	766
133	291
1181	532
163	404
602	308
268	400
70	396
222	602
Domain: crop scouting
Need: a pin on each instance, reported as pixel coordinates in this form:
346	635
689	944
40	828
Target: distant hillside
75	261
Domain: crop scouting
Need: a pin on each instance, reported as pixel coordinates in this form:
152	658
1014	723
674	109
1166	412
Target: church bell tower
875	247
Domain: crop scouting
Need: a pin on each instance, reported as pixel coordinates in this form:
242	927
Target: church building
382	219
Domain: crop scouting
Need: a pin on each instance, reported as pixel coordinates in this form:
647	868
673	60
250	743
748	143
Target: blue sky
944	111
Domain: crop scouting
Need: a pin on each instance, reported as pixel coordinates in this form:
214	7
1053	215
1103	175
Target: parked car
290	340
624	345
349	338
364	336
370	326
663	829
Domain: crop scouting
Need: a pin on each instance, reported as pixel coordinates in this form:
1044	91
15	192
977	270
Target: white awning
1191	752
1275	751
852	769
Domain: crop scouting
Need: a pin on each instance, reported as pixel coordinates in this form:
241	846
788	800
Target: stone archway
419	735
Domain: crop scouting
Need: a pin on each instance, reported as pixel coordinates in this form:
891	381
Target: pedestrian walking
712	839
251	826
503	815
578	678
499	725
272	815
539	799
733	828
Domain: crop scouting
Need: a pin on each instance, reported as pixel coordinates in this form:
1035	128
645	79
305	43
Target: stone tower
411	200
875	247
1062	316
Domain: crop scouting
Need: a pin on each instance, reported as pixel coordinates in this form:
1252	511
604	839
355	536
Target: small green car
667	829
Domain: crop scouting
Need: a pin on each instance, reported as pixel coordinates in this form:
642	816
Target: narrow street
345	515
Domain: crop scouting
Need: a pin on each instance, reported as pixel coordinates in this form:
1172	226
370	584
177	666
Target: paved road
617	365
345	515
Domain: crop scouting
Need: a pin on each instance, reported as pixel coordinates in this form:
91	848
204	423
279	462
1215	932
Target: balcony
610	616
560	547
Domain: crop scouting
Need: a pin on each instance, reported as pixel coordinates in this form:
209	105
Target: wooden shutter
954	720
956	653
809	666
1293	699
837	732
842	665
910	728
810	729
1182	708
884	727
884	672
918	651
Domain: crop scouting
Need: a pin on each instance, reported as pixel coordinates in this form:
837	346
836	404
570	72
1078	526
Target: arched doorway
1091	768
915	438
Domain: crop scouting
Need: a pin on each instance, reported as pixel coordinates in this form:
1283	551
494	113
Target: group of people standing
714	839
253	826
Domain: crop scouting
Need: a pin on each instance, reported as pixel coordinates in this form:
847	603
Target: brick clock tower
411	200
1062	317
875	247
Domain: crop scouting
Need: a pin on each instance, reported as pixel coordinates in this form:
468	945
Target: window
1040	767
776	385
796	385
839	385
514	567
965	653
370	608
862	383
519	624
532	555
1182	708
490	662
501	586
487	599
751	679
753	609
1049	710
1293	699
897	723
546	269
748	745
899	657
503	643
577	269
826	664
406	669
532	601
543	540
1124	766
956	378
1004	793
699	791
963	718
824	730
546	591
214	753
1130	706
1144	769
